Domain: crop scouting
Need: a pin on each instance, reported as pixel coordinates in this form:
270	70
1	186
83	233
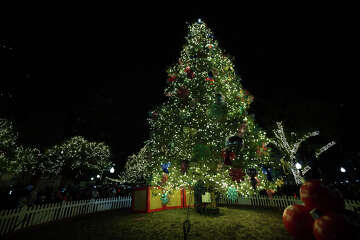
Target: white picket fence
15	219
277	202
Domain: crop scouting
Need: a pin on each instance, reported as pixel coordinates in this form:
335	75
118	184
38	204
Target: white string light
324	148
289	150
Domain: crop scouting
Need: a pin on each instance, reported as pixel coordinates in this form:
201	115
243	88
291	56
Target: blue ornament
267	172
232	194
164	199
210	74
269	177
219	99
165	167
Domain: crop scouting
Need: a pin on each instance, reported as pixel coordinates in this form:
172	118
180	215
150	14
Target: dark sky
98	74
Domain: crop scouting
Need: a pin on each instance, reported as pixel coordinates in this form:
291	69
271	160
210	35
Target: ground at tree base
237	223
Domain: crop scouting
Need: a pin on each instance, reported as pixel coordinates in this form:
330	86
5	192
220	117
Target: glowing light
92	179
112	170
298	166
199	20
98	176
342	169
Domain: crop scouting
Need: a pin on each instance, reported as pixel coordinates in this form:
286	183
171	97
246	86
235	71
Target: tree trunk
296	173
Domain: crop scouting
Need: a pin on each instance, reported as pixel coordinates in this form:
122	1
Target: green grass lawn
241	223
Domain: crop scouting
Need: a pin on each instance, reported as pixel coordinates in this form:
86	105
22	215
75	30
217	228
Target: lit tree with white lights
137	168
8	138
80	158
289	148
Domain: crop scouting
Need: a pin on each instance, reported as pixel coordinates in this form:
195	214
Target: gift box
143	200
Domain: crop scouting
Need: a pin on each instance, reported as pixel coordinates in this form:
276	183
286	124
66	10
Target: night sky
98	75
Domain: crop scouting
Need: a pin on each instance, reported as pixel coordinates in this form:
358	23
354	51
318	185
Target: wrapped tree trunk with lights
204	132
289	149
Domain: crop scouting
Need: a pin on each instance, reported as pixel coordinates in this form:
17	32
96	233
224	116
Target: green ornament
164	198
218	111
193	131
232	194
149	179
201	152
186	130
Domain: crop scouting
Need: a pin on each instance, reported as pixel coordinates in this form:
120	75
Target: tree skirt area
232	223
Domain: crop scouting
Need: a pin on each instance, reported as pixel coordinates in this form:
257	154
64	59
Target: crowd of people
29	195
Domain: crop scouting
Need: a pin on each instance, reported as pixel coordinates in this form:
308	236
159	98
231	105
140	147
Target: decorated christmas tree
202	137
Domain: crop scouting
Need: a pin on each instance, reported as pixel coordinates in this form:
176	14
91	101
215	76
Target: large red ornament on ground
316	195
298	222
331	227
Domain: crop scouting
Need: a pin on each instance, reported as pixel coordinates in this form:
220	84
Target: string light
290	150
324	148
183	122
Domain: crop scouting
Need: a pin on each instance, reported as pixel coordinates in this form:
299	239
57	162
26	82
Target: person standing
60	195
33	196
94	193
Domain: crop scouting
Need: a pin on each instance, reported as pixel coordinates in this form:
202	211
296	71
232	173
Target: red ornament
228	156
316	195
164	178
154	115
242	129
210	80
270	193
332	226
257	181
210	46
190	75
298	222
261	150
182	92
172	78
237	174
184	166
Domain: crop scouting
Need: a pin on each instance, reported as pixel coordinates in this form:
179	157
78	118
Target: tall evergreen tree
203	132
